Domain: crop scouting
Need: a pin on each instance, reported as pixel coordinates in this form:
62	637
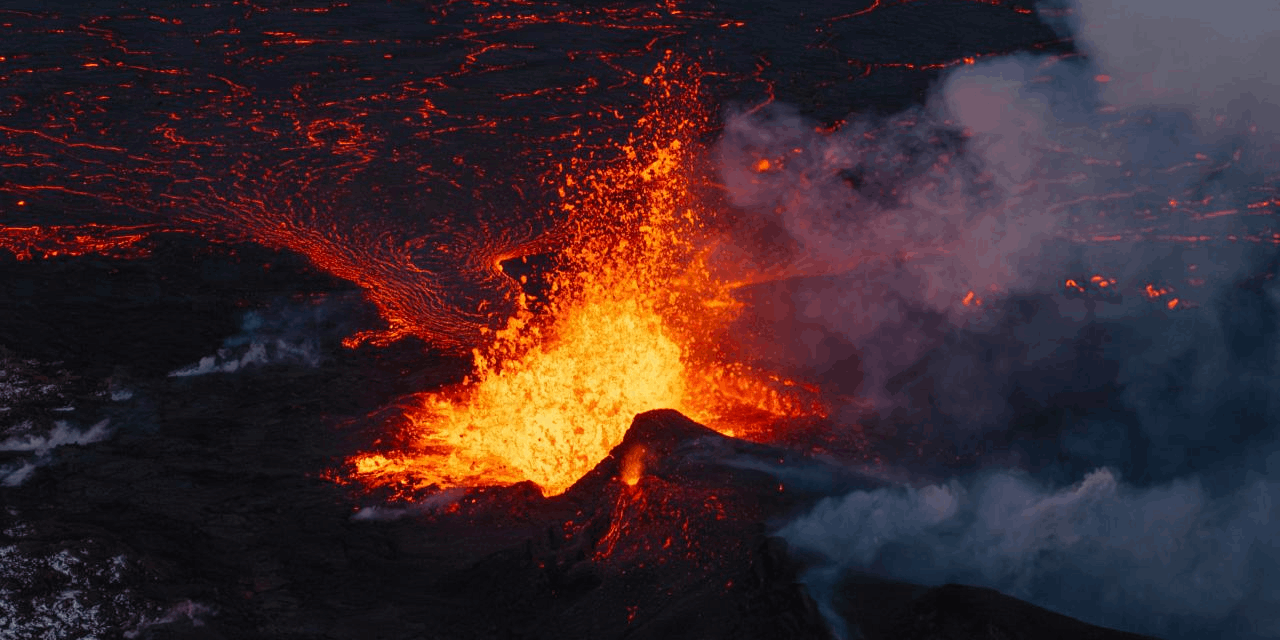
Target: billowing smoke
1214	58
186	611
39	446
1063	266
1168	560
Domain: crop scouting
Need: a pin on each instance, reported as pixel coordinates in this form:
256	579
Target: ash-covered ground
1026	252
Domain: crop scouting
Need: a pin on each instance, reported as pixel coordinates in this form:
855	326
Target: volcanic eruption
632	319
645	319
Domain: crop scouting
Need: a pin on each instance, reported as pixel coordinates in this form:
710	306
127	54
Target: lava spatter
630	325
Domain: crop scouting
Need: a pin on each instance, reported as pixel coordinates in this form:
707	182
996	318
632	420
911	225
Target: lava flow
373	156
27	243
629	323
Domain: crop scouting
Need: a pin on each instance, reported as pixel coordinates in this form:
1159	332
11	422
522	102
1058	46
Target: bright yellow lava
553	414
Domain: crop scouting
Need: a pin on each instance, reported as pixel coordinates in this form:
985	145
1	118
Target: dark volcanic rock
681	553
886	610
200	527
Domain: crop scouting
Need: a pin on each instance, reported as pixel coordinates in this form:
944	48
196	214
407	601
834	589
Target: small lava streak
633	466
1154	292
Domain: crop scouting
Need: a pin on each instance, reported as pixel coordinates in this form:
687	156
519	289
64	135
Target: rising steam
1046	231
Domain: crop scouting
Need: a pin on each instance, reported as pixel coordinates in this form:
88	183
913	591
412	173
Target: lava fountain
630	321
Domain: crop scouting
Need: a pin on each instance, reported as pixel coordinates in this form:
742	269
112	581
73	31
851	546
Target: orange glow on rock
1155	292
1102	282
633	466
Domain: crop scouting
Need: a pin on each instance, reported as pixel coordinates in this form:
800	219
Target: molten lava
631	325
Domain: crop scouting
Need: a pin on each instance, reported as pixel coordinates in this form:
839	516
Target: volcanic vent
631	314
668	537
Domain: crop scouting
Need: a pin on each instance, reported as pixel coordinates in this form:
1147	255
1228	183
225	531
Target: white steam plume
1217	58
1153	160
1013	178
42	446
1166	560
290	334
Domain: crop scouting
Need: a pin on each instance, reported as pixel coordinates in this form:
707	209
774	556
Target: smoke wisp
288	334
1166	560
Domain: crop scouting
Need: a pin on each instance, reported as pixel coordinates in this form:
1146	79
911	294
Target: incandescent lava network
471	142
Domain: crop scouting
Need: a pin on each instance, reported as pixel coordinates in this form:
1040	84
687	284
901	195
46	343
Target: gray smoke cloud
1014	177
1129	413
1167	560
1215	58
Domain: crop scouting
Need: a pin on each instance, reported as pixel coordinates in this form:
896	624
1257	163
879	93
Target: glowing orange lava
630	326
27	243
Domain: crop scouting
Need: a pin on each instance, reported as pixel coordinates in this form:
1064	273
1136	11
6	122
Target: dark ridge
887	610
